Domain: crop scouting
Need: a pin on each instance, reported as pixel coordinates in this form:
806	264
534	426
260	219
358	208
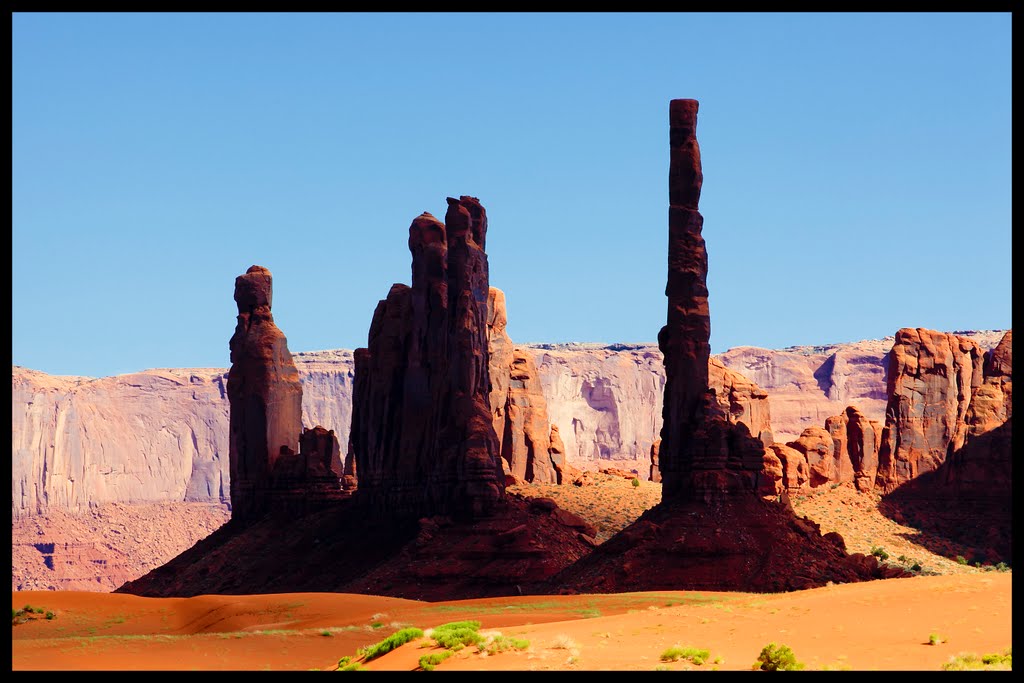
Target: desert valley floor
833	627
966	608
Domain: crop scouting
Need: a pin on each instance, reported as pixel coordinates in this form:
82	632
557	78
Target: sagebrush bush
385	646
879	552
428	662
457	635
776	657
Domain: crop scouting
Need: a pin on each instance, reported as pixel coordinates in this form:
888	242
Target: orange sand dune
882	625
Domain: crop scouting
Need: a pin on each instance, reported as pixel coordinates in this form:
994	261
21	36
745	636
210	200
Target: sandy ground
877	625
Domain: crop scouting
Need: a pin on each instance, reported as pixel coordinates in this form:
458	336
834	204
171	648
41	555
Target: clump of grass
695	655
960	559
456	635
376	625
51	615
385	646
776	657
428	662
563	642
495	643
972	662
935	639
1002	567
326	633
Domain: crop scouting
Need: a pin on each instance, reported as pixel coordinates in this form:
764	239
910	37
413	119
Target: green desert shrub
457	634
385	646
51	615
695	655
972	662
960	559
935	639
916	567
879	552
428	662
636	482
1002	567
776	657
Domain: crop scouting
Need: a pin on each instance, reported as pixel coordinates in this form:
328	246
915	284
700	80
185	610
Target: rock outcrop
517	401
422	428
655	472
931	378
429	502
855	441
264	393
969	496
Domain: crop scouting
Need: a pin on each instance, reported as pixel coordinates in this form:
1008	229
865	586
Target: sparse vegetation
880	553
1002	567
563	642
385	646
636	482
960	559
457	634
495	643
695	655
428	662
935	639
775	657
972	662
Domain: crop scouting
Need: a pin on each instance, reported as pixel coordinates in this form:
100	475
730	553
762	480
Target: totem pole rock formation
264	393
422	434
517	401
712	529
697	455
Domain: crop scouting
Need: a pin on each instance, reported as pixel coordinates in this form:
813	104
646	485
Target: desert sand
876	625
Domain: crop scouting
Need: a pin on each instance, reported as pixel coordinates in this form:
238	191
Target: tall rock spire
265	396
698	452
422	437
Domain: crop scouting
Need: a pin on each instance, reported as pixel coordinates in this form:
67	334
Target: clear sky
856	173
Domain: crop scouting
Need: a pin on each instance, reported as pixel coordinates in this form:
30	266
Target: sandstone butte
712	529
428	517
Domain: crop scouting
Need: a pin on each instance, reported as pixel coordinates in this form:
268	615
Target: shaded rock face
815	447
855	441
655	474
517	401
422	434
698	455
931	379
265	396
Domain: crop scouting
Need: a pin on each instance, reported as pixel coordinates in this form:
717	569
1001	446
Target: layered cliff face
605	401
422	435
931	378
264	394
517	402
138	438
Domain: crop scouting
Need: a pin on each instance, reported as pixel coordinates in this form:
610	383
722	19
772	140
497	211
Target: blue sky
856	173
